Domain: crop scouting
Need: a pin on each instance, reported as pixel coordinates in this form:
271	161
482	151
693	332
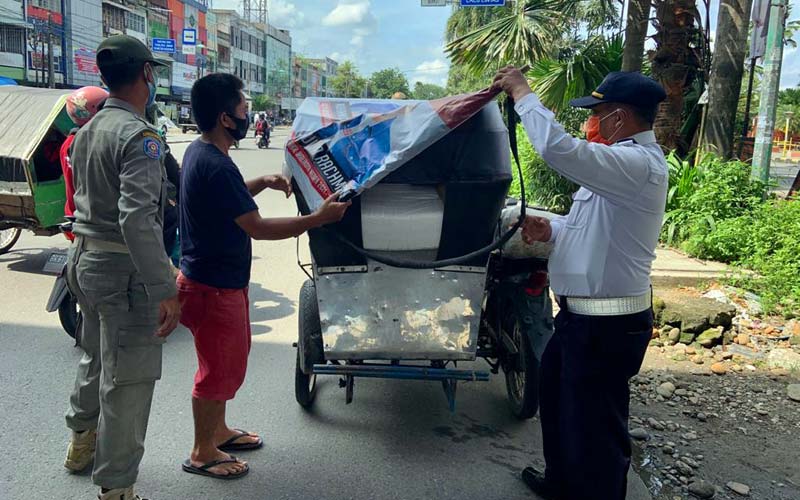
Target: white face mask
611	139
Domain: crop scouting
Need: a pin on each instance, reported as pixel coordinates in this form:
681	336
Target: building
247	49
83	24
278	63
313	77
187	20
211	42
13	40
224	49
46	19
327	69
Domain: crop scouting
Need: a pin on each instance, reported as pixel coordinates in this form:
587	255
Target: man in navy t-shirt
218	219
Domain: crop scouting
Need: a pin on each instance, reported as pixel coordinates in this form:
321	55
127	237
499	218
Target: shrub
715	211
773	254
700	198
544	187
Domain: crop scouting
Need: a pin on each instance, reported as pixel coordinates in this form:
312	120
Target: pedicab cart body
33	126
359	317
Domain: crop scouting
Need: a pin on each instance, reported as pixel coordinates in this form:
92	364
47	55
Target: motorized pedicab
384	299
33	125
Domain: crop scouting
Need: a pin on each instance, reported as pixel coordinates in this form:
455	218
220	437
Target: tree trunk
727	68
635	33
675	65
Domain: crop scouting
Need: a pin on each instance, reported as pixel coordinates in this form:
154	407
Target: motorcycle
263	141
61	299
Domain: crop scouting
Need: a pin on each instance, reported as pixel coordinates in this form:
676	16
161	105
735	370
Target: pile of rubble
720	331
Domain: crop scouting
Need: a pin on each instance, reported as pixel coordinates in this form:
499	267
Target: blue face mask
151	87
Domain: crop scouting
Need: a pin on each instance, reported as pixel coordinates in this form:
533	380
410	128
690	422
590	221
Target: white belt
609	307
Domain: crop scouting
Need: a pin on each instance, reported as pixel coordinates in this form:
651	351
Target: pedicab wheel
8	238
68	314
309	346
522	376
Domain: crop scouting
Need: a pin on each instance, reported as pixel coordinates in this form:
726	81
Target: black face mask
240	132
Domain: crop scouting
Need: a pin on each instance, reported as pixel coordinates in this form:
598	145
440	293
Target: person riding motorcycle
266	132
82	105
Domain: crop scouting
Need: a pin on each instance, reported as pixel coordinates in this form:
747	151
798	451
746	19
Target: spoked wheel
68	314
522	375
8	238
309	346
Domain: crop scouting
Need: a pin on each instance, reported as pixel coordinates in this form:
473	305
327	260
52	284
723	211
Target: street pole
762	154
50	78
749	100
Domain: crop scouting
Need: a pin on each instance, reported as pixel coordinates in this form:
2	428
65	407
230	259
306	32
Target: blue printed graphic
360	154
152	148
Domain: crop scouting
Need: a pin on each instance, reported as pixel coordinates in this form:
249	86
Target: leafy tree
384	83
262	102
348	82
462	81
677	63
789	97
727	69
429	91
635	34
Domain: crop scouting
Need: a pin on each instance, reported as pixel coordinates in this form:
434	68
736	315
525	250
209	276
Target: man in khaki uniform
119	272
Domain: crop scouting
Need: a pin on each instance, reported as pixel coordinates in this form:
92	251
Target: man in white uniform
600	273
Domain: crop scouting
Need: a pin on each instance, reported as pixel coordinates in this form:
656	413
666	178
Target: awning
162	57
15	21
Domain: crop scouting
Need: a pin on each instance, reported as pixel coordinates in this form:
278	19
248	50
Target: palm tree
521	33
727	67
676	63
635	34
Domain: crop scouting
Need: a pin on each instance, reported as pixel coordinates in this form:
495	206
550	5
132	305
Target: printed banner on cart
348	145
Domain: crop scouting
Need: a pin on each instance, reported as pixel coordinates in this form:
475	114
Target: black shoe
537	482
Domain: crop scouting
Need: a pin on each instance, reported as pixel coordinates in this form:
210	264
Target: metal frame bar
403	372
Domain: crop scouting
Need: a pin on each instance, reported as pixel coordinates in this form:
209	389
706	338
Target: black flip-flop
203	469
230	445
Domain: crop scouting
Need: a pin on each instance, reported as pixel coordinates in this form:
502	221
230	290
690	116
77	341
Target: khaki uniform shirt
119	176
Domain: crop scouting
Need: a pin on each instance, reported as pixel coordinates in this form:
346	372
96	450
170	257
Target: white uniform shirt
605	246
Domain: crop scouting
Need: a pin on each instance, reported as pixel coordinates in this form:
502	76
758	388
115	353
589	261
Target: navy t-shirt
215	251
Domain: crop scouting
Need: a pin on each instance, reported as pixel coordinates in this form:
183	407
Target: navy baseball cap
625	87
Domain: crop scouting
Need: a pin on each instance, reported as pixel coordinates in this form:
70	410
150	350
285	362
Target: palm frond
522	33
556	82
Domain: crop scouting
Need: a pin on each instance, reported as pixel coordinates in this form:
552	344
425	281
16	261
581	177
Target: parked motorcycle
62	300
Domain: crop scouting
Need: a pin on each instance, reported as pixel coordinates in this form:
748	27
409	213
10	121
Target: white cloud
350	13
430	72
285	14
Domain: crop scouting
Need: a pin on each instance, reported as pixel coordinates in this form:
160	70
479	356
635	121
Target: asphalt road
397	440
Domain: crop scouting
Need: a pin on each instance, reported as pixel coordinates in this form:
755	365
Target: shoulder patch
150	134
152	147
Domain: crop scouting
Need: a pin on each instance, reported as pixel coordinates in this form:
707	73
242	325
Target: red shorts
219	319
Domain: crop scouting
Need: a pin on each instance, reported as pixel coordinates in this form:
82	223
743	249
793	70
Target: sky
378	34
374	34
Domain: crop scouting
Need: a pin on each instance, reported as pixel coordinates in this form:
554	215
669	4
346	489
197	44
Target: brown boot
80	452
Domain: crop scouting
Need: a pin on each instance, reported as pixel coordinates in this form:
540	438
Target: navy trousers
585	402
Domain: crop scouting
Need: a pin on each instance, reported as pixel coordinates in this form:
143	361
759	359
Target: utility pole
762	154
50	79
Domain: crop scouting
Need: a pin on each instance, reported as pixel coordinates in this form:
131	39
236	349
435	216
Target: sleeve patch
152	148
150	134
